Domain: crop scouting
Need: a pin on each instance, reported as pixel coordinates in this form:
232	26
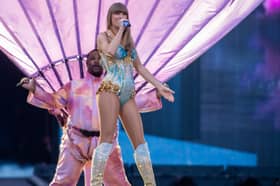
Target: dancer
75	107
115	96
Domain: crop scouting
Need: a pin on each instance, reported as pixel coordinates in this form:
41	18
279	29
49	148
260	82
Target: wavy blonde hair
126	41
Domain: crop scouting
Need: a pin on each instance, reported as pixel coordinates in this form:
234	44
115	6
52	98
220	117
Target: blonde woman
115	96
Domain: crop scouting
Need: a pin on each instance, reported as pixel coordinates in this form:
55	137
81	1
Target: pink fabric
75	155
148	102
38	36
79	99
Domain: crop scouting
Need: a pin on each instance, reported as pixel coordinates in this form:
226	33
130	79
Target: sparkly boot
99	160
144	165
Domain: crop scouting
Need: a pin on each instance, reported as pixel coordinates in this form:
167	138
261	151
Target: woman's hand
164	91
121	24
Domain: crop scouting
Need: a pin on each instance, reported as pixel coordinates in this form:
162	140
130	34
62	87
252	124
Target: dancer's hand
166	92
61	116
27	83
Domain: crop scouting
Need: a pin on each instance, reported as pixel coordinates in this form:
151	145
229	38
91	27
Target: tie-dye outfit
79	99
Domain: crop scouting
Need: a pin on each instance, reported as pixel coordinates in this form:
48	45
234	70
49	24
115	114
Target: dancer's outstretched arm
42	99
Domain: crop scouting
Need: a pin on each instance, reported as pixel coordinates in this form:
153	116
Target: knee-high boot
144	165
99	160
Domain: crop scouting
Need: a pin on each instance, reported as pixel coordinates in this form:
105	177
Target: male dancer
75	104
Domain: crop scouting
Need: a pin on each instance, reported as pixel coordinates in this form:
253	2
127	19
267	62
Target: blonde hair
126	37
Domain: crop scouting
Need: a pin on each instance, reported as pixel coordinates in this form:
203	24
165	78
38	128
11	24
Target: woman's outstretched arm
164	91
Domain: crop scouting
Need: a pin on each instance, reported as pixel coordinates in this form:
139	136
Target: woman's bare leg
108	105
132	122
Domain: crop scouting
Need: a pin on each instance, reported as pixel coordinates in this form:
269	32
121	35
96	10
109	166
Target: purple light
272	7
41	37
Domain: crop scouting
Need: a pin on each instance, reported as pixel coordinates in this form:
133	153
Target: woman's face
116	17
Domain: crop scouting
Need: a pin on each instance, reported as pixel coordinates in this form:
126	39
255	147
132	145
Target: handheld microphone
126	23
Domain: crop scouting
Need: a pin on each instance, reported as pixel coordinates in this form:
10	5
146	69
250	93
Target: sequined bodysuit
119	74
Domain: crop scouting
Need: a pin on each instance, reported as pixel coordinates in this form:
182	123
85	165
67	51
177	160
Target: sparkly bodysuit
119	74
